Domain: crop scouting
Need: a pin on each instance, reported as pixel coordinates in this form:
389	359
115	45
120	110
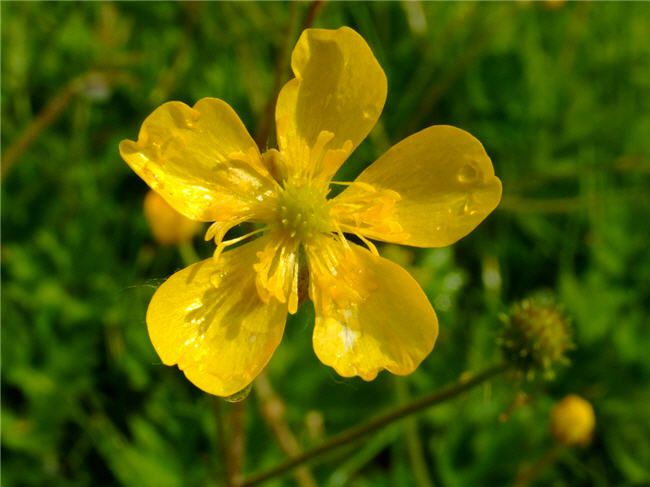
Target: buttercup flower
221	319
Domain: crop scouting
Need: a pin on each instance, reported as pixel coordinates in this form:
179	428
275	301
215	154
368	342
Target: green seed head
536	336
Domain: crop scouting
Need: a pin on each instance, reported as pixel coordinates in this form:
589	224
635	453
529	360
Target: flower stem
265	124
314	9
413	442
50	113
222	440
273	408
353	434
237	442
527	475
188	254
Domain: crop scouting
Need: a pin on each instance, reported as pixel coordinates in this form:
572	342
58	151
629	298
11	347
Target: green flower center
303	212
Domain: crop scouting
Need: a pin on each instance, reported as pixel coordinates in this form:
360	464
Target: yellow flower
221	319
167	225
573	421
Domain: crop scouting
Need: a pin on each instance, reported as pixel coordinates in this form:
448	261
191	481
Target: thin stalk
265	125
50	114
45	118
188	254
222	438
266	122
273	408
527	475
413	442
475	45
357	432
313	11
236	442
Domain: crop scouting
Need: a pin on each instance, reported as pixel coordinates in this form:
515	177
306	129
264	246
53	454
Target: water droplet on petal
369	112
216	278
469	173
194	306
239	396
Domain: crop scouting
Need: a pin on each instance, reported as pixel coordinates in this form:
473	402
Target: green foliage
559	98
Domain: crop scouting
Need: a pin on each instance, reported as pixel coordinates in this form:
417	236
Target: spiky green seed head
536	336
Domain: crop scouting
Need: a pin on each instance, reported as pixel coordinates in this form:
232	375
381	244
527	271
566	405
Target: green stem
188	254
529	474
50	113
353	434
236	442
413	443
222	438
265	125
272	407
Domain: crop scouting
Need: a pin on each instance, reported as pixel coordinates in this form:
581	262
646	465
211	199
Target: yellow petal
370	313
200	159
444	185
333	102
209	319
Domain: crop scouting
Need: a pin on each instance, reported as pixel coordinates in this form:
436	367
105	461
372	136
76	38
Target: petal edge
390	324
209	320
445	182
200	159
339	89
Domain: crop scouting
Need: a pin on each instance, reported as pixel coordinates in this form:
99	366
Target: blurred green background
558	93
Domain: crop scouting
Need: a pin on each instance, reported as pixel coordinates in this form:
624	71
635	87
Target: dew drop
469	208
216	279
239	396
466	208
369	112
469	173
197	321
194	306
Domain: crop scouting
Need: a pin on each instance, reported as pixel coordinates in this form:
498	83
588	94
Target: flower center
303	212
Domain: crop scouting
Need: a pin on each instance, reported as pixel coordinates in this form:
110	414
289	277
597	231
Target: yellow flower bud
167	225
573	421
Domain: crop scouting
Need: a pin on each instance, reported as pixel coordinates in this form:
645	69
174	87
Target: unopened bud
536	336
167	225
573	421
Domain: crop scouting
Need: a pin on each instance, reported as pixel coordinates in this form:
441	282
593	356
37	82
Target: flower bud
167	225
536	336
573	421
